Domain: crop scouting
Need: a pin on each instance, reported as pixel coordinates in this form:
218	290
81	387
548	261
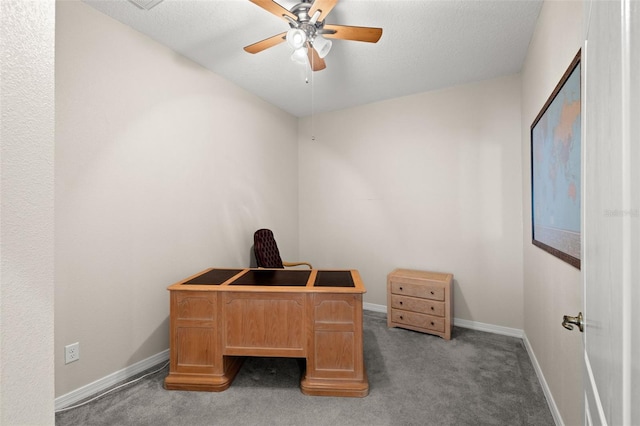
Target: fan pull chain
313	136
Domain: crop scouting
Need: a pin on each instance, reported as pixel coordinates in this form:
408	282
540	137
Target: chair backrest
266	249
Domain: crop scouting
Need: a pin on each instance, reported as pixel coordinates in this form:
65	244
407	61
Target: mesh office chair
267	253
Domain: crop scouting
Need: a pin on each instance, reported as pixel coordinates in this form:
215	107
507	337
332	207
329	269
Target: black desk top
272	277
214	277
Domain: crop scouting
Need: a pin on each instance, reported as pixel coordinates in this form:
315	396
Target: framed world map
556	170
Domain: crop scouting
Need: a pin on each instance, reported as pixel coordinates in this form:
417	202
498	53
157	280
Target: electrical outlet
71	352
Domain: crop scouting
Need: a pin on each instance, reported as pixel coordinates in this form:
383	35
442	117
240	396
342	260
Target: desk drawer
425	291
417	320
417	305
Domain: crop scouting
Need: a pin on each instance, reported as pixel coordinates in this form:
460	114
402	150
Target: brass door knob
568	322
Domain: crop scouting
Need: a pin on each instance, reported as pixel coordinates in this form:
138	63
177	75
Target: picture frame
556	167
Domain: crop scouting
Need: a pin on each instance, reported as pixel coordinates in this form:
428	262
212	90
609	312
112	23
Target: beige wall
162	169
552	288
26	219
430	181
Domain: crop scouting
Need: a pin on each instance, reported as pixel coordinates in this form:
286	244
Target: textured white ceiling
425	45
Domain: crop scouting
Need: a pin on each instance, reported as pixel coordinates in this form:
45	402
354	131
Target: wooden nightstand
420	301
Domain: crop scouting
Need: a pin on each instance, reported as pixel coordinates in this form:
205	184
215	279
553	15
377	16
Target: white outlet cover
71	352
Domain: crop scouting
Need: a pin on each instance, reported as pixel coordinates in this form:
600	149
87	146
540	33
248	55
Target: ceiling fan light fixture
296	38
322	45
307	30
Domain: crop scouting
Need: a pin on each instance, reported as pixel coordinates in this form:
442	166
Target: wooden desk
218	316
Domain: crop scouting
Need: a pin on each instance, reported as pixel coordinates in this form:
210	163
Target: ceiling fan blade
273	7
266	43
324	6
317	63
345	32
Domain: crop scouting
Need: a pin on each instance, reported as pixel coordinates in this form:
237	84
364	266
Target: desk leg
335	365
196	361
204	381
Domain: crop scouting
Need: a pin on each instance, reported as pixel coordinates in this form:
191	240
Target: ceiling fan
309	34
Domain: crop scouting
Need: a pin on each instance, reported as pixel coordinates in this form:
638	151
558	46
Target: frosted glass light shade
322	45
300	56
296	38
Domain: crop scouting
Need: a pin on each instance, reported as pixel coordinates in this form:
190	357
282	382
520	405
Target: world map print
555	161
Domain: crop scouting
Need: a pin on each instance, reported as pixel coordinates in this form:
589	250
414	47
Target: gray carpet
476	378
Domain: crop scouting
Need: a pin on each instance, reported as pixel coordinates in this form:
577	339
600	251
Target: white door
611	221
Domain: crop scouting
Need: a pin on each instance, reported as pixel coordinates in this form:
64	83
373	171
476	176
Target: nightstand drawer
426	291
417	320
417	305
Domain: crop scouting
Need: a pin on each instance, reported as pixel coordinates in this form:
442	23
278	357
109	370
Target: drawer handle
432	323
401	317
432	308
432	292
401	303
400	288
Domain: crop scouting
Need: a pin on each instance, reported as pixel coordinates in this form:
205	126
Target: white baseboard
112	379
557	418
373	307
490	328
